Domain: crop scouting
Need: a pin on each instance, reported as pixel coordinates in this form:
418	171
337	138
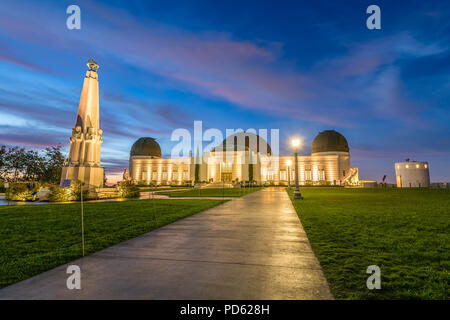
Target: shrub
127	189
22	191
72	193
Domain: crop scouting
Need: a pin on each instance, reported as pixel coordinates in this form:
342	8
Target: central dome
329	141
244	141
146	146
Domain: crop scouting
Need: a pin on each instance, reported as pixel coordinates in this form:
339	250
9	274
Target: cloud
15	60
174	116
36	138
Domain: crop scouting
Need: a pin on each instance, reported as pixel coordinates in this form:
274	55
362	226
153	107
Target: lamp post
296	144
289	163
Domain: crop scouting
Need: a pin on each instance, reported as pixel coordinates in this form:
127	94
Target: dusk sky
301	67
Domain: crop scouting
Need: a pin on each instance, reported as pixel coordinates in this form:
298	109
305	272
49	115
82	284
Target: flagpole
82	219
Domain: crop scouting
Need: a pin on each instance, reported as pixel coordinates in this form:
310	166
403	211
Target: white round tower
412	174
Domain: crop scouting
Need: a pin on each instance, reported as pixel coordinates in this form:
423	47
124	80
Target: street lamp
296	144
289	163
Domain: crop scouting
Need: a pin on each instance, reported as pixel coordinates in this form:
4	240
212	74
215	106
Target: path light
296	145
289	163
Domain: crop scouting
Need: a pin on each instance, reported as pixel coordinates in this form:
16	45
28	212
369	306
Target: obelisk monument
83	163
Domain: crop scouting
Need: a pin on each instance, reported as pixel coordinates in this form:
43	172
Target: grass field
144	189
36	238
403	231
219	192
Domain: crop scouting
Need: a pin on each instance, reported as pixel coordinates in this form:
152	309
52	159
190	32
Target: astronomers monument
83	163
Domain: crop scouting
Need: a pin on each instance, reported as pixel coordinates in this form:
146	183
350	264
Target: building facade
245	156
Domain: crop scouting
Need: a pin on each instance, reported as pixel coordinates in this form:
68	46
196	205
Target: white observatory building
412	174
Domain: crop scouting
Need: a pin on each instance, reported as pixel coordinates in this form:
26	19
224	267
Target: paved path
249	248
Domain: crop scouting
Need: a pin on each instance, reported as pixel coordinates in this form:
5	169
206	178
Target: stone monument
83	163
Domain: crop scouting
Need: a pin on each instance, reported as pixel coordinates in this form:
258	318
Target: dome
243	140
328	141
146	147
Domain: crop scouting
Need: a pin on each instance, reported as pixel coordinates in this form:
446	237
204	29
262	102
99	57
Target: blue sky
301	67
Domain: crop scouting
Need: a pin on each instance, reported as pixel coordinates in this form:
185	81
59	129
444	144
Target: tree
20	165
33	166
2	162
197	166
15	164
53	164
250	168
197	172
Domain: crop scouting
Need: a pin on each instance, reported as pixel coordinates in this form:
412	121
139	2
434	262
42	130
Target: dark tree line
21	165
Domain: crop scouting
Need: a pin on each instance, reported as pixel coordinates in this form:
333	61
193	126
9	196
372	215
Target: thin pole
82	219
153	204
289	178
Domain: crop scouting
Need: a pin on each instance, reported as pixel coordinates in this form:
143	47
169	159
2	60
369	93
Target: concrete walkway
249	248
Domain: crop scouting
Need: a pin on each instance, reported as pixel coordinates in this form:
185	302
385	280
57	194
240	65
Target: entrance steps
218	185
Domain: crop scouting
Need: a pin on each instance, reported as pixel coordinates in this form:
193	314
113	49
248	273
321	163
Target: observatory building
412	174
245	156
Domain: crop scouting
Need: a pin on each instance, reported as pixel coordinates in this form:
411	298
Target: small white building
412	174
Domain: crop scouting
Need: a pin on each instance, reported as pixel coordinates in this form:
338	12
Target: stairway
218	185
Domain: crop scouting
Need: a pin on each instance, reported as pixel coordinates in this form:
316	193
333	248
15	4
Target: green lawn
213	192
161	188
36	238
403	231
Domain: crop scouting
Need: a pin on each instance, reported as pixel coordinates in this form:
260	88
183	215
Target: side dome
146	147
329	141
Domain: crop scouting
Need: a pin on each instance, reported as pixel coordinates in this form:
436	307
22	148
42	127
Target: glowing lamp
295	143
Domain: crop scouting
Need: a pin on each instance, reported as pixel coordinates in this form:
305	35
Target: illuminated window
282	175
417	165
175	176
186	175
321	175
270	175
164	175
155	175
426	166
308	175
